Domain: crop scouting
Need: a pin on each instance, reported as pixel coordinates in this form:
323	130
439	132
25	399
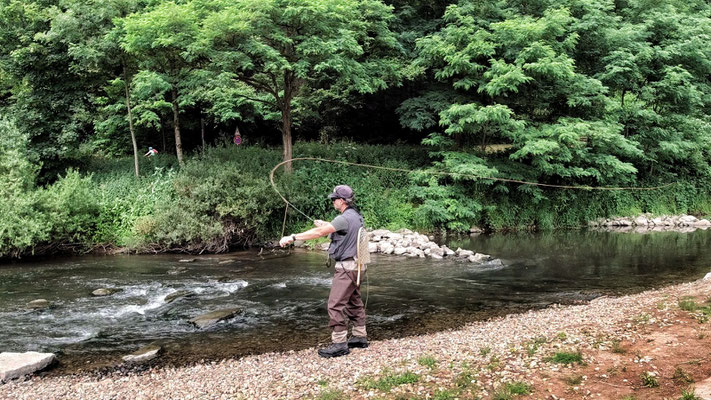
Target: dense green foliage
563	92
219	200
222	199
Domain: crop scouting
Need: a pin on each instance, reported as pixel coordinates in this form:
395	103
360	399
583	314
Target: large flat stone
38	304
15	365
143	354
703	389
209	319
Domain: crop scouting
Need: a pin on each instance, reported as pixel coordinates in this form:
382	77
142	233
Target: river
282	295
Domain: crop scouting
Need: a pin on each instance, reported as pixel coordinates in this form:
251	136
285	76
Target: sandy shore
473	362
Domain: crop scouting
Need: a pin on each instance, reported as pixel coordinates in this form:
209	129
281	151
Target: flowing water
282	297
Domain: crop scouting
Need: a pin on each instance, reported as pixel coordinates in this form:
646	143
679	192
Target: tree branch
257	85
269	103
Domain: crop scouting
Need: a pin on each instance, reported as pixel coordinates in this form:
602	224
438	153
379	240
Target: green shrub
567	358
22	226
445	395
332	395
688	305
389	380
427	361
222	198
72	208
511	389
649	380
689	394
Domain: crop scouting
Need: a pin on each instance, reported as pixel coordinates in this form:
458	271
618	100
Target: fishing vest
344	244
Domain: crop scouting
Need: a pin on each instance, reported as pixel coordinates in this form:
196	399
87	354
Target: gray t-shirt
344	241
340	223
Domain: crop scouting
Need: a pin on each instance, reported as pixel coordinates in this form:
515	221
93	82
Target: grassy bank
221	199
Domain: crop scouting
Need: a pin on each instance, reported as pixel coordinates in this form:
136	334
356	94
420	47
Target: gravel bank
303	375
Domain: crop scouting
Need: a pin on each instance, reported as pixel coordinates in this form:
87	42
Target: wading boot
357	341
334	350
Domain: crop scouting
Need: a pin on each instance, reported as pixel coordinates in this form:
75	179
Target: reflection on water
283	300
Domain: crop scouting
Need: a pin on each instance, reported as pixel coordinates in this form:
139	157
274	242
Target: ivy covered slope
561	92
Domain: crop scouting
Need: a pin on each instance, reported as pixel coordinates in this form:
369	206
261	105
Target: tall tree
162	39
87	28
518	84
49	101
280	52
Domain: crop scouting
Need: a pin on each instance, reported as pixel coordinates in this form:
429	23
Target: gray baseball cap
341	192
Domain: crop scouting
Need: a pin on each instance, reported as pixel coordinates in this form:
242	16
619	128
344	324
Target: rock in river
176	295
105	291
209	319
38	304
15	365
143	354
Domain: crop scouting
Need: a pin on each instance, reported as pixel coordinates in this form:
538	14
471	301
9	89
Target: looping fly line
548	185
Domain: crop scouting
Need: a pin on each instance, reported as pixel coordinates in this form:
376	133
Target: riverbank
223	200
608	348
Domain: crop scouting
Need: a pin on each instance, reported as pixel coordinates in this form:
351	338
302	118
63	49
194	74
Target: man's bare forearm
313	233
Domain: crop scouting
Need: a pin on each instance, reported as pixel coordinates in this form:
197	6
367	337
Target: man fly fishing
344	301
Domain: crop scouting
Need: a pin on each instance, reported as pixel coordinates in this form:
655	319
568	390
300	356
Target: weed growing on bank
567	358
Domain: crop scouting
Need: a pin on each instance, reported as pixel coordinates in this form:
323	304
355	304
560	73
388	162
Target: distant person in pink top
238	137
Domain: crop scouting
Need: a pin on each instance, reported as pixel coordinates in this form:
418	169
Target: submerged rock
105	291
15	365
495	263
143	354
38	304
177	270
211	318
176	295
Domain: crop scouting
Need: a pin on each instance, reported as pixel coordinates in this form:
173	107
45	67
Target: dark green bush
222	199
21	226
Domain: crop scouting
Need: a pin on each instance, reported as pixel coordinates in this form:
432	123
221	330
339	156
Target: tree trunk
202	131
176	128
162	132
130	120
286	134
